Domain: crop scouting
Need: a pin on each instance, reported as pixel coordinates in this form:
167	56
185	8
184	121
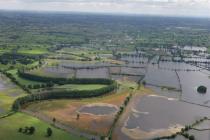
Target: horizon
102	14
168	8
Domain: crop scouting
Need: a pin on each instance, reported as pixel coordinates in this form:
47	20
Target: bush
31	130
202	89
49	132
191	137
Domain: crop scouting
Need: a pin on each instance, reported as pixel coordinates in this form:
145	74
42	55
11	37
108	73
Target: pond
98	109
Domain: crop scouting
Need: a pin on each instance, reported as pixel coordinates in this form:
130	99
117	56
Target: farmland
103	76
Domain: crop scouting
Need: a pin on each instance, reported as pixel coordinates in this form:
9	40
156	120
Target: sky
198	8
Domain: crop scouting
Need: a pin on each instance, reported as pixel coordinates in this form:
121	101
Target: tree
191	137
144	83
78	116
202	89
20	130
49	132
31	130
54	120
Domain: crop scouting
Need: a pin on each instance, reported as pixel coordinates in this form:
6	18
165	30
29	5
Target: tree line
62	94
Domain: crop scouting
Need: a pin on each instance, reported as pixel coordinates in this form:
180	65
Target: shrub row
62	94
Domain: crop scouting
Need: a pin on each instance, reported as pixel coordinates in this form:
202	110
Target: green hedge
63	94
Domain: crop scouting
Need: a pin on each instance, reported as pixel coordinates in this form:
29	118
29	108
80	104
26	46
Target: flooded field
161	77
190	82
2	85
92	73
179	66
98	109
54	71
134	59
126	78
154	116
59	71
165	92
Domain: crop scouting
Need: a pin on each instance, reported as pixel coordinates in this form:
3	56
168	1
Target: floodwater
93	73
126	78
98	109
190	81
134	59
177	66
2	82
154	113
134	71
2	86
59	72
165	92
161	77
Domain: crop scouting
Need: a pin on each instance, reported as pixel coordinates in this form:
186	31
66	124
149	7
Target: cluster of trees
31	130
13	58
27	130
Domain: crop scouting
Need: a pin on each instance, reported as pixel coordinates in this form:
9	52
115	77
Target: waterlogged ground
8	93
152	116
161	77
190	82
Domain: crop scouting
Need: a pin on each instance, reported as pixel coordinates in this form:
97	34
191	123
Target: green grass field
10	125
21	80
34	51
7	97
80	87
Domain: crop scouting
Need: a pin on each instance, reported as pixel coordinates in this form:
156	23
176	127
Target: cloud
160	7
